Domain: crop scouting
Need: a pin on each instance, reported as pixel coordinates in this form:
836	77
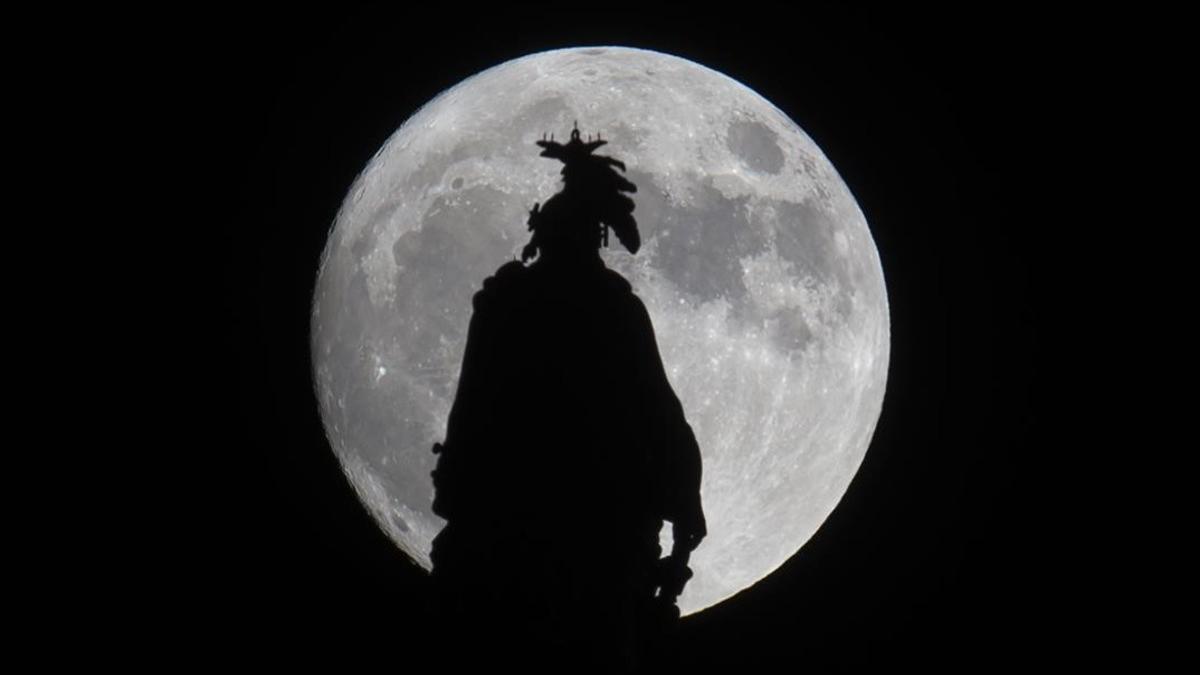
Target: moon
757	267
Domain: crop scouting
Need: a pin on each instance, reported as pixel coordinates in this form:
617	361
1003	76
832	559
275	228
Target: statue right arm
453	475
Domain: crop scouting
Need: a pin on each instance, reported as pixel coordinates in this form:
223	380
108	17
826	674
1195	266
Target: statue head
592	201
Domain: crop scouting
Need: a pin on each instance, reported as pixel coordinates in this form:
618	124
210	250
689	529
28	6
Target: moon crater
754	143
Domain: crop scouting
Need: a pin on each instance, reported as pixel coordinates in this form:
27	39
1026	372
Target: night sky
940	556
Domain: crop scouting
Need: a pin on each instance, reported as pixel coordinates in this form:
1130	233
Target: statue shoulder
507	278
619	284
628	307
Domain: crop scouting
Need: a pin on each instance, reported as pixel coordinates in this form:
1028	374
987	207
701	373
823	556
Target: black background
950	129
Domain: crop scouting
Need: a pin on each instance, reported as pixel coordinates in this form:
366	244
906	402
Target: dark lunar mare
565	452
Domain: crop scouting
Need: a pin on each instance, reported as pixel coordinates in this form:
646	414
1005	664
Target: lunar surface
757	267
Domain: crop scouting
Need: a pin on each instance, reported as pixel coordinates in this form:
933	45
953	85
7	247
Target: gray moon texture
757	267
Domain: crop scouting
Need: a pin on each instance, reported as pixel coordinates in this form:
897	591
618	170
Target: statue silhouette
566	450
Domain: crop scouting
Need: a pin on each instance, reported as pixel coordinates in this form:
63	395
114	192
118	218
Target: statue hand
688	533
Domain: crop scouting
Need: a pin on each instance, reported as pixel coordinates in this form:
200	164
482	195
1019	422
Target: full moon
757	267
